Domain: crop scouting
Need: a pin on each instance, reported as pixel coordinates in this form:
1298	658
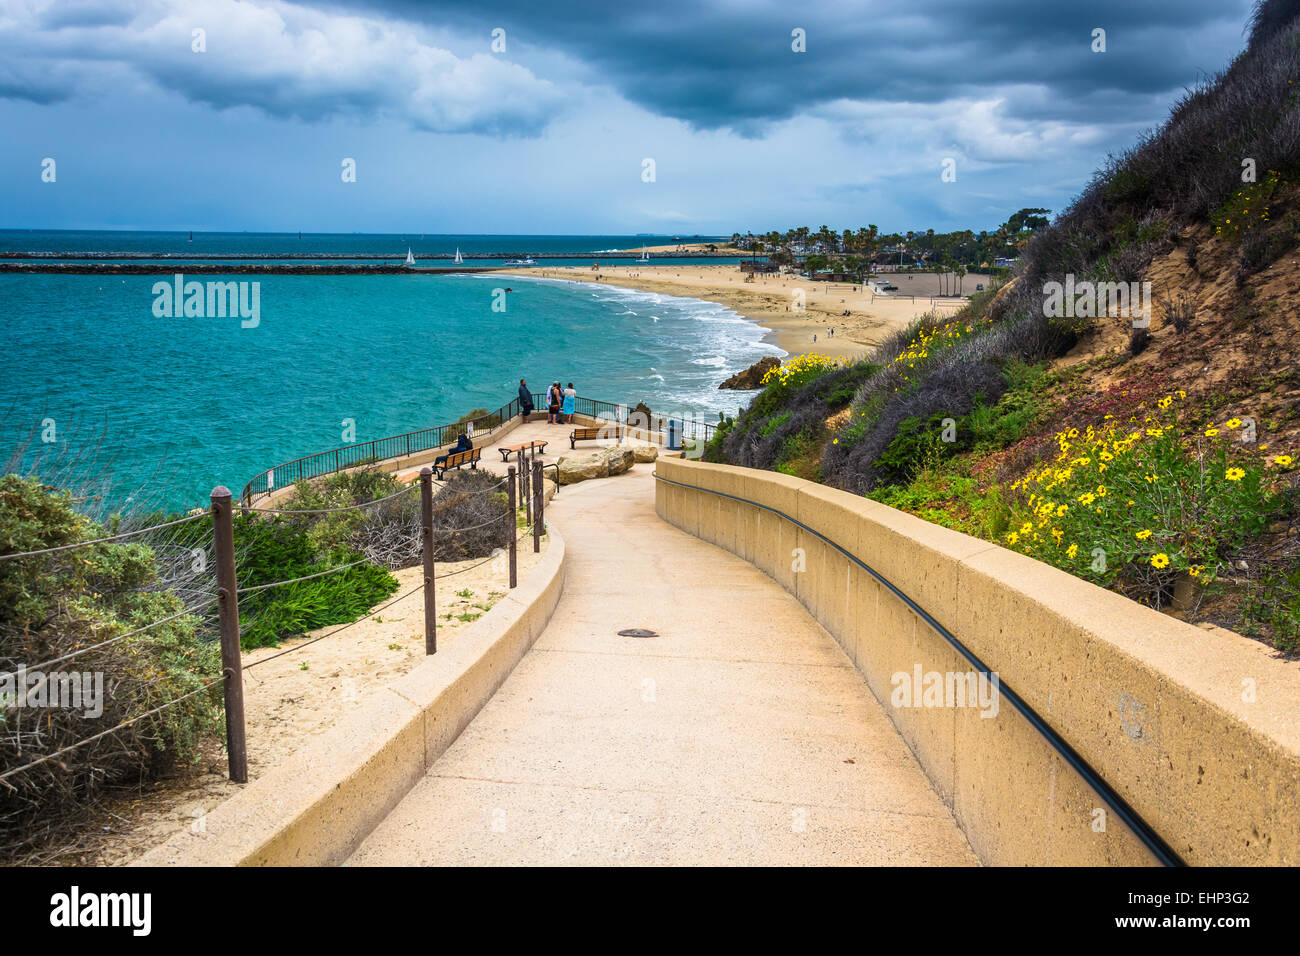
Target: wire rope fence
523	486
210	590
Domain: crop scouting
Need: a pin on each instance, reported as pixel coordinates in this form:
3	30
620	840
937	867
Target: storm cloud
509	116
716	64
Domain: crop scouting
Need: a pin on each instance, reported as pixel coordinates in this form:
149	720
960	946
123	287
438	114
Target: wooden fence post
526	482
232	665
539	494
511	482
426	536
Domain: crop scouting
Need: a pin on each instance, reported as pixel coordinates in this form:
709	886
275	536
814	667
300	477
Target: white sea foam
701	342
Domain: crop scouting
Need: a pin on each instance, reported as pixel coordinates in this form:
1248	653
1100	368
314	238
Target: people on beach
570	402
553	400
525	399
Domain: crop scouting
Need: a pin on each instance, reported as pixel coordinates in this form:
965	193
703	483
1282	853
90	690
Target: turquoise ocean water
178	405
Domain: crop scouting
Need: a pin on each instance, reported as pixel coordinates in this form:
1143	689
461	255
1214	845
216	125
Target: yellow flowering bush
928	341
1248	209
1135	503
799	370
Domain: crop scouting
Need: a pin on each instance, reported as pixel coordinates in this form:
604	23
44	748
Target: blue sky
549	135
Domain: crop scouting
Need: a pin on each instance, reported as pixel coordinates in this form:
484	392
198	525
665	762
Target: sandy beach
771	301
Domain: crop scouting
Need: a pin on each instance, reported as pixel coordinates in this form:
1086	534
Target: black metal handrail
427	439
364	453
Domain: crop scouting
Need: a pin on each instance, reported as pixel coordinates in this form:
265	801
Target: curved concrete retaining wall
315	808
1198	731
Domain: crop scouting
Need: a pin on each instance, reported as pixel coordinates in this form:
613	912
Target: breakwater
368	256
228	268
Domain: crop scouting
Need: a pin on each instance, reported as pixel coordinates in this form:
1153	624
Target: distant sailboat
410	259
191	237
459	258
645	255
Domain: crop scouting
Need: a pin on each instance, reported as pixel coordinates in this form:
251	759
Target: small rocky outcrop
620	458
645	453
608	461
575	468
752	377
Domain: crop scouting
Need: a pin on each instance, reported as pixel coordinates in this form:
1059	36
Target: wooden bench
530	445
456	459
590	434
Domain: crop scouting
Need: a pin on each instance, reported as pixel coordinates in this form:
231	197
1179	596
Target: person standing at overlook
525	400
553	398
570	402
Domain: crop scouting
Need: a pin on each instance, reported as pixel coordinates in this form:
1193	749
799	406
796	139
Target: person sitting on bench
463	443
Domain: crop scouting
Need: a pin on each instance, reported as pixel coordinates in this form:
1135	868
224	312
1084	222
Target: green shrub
54	604
917	442
773	423
275	549
1270	608
1134	506
1016	412
283	547
1247	210
943	494
336	533
483	421
470	517
794	447
293	609
788	417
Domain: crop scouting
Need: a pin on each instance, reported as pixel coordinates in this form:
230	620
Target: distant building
1001	262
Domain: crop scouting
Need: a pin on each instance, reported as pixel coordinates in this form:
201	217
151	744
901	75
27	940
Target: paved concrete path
741	734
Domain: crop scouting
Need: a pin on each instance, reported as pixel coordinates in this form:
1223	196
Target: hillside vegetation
1156	460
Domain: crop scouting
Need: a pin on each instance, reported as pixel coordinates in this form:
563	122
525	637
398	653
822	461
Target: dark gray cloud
853	131
730	65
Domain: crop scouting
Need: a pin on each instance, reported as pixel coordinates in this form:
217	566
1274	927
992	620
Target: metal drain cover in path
636	632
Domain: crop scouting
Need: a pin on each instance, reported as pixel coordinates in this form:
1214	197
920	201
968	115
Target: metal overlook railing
427	439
